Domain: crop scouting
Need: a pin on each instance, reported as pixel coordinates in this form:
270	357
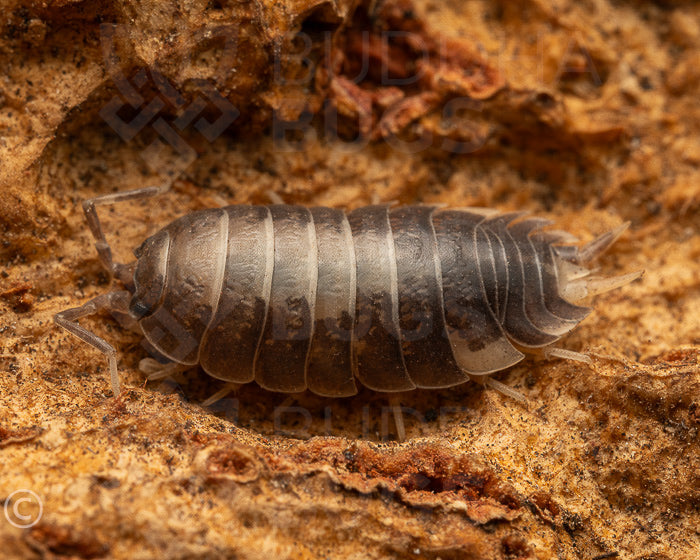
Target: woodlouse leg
567	355
395	405
221	393
154	370
502	388
120	271
113	301
274	197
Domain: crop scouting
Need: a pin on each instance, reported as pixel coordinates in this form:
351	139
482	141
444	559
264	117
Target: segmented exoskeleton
299	298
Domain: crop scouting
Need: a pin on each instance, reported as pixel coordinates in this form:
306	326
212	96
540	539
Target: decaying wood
588	116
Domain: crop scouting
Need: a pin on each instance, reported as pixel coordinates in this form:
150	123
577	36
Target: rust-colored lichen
8	436
230	462
388	70
65	542
19	296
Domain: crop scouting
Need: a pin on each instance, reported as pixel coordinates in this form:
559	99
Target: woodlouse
302	298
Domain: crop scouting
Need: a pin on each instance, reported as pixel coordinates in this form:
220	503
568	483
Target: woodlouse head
149	275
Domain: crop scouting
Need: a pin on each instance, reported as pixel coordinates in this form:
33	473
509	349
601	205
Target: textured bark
583	113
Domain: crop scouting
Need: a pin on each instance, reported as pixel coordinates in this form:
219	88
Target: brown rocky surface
583	112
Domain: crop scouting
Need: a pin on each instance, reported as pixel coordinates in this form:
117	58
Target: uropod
395	298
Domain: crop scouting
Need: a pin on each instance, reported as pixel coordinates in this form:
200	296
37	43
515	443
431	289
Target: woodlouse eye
138	309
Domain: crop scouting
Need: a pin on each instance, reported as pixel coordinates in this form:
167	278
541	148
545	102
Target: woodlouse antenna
113	301
104	251
116	302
